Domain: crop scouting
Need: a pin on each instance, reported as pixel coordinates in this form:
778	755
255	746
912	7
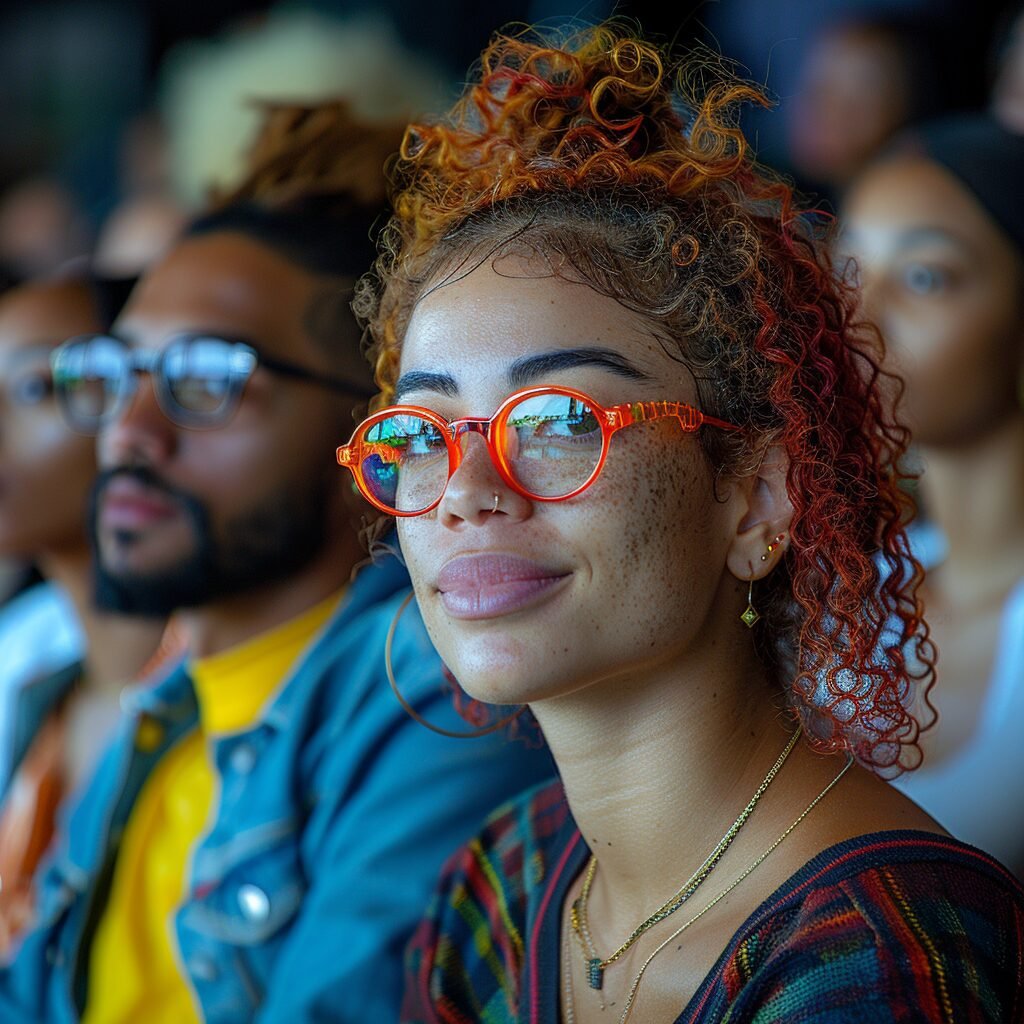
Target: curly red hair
601	158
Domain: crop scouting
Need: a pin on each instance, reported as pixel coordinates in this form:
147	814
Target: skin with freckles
946	288
633	660
602	548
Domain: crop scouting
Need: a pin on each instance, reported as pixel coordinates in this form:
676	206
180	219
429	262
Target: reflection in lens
88	377
198	374
553	444
405	462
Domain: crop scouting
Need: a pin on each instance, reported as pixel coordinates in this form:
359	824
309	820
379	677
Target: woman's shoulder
904	920
474	936
517	842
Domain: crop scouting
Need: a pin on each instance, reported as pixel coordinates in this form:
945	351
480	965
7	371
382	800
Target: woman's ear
763	533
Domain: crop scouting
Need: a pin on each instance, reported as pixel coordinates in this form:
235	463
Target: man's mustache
142	475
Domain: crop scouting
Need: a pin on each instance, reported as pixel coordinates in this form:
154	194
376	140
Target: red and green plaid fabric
900	926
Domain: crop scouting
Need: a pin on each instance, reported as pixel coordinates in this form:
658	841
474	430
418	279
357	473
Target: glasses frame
245	358
611	420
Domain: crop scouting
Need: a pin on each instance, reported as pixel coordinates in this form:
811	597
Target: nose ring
496	500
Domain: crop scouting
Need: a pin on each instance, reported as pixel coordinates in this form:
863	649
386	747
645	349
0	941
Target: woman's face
539	599
946	289
46	470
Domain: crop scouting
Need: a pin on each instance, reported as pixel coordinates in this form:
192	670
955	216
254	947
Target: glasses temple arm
638	412
301	373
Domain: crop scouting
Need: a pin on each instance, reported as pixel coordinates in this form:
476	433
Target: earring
750	614
771	547
412	712
497	498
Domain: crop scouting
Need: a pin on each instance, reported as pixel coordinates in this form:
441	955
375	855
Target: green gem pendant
595	974
750	616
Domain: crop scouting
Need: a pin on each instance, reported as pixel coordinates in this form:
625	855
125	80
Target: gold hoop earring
750	614
412	712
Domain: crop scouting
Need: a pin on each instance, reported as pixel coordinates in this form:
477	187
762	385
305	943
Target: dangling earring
750	614
412	712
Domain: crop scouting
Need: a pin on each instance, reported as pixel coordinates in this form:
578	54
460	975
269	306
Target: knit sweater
893	926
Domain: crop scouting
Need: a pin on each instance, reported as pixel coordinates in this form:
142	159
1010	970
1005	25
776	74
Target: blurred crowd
190	620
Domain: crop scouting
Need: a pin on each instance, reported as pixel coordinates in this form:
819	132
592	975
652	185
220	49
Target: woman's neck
975	494
656	767
117	647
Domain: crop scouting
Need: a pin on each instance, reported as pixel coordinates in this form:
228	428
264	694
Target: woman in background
644	474
53	723
937	231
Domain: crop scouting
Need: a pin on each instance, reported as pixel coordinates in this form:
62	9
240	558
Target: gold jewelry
578	913
750	614
497	498
411	711
732	885
771	547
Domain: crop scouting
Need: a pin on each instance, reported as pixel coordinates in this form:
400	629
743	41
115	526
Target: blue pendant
595	973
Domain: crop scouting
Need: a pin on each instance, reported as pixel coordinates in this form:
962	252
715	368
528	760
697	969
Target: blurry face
852	97
185	516
945	288
540	599
45	469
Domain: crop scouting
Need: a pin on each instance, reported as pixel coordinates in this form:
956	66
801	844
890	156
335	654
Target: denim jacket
334	814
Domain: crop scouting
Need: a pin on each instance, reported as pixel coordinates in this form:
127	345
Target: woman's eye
32	389
922	279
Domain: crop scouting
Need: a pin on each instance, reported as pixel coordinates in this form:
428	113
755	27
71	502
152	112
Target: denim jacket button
254	902
243	758
203	967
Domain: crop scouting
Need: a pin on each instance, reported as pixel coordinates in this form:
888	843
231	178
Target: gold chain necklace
570	1014
596	966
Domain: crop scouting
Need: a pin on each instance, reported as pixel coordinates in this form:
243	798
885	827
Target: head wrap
984	157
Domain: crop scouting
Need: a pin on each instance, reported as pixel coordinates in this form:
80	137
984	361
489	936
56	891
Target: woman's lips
486	586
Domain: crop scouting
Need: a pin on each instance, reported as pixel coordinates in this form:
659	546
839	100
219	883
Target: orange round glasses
547	443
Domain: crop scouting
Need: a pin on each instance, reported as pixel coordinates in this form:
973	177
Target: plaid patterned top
894	926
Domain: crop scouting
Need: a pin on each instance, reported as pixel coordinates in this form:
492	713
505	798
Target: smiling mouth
487	586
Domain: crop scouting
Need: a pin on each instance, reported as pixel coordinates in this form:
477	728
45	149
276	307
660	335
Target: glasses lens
89	376
553	444
405	462
203	376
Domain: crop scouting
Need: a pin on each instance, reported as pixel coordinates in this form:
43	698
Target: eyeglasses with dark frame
547	444
198	378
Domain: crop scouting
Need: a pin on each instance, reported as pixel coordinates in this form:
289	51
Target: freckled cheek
649	537
414	537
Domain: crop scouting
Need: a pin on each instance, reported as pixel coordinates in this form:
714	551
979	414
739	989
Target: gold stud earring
771	547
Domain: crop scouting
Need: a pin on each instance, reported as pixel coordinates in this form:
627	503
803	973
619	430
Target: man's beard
269	542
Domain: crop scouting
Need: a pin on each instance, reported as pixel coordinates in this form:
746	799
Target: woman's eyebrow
422	380
528	369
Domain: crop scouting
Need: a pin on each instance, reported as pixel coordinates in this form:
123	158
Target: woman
937	229
55	719
667	530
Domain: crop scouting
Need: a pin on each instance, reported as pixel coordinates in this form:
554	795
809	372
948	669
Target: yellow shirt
134	970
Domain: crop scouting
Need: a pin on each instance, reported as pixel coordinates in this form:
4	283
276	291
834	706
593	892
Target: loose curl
616	168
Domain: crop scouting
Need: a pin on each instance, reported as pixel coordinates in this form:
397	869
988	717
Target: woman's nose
476	491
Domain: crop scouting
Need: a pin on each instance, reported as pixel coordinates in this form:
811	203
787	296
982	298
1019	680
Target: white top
978	792
39	634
